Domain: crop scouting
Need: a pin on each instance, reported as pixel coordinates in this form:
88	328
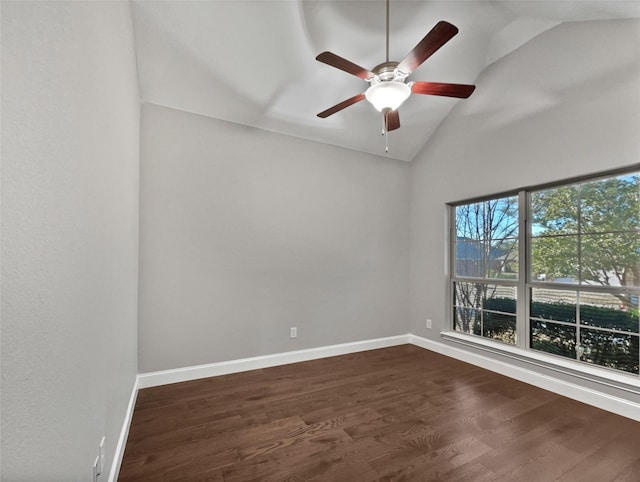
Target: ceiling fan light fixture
387	95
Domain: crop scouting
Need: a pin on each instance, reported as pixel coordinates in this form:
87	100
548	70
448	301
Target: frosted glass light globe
387	95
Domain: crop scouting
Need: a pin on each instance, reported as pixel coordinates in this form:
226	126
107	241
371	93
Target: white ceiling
253	62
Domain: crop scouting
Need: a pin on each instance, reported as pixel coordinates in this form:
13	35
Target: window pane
611	350
556	305
470	230
501	218
555	259
467	320
499	327
470	221
469	258
553	338
554	211
501	223
503	259
605	310
468	295
610	204
500	298
611	259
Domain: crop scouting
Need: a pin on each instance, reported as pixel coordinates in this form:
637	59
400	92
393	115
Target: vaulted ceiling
253	62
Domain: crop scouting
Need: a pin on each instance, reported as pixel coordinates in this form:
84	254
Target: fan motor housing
386	71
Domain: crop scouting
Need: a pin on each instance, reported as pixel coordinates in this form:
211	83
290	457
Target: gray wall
70	150
530	121
245	233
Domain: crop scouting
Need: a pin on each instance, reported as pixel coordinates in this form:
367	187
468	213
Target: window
486	268
579	277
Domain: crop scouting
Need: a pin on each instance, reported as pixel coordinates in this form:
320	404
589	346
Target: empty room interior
320	240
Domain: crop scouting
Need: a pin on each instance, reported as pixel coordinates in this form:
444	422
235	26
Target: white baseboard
582	394
124	434
165	377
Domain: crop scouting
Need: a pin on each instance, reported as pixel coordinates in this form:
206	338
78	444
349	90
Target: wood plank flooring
395	414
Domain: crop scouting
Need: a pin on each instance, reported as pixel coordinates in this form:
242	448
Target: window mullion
453	235
522	296
580	277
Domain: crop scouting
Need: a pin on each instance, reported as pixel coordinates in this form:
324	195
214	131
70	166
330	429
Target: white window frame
525	284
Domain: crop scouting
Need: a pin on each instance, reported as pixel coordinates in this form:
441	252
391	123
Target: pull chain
385	131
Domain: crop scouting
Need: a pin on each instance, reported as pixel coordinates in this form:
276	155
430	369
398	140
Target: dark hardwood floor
400	413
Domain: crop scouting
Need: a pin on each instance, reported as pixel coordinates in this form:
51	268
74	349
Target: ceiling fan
387	88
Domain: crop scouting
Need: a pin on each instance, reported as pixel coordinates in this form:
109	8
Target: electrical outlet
428	323
293	332
101	466
96	465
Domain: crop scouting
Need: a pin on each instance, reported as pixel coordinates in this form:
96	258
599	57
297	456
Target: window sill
603	376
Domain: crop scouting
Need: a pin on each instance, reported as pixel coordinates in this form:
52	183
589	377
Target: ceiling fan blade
392	119
447	90
341	105
343	64
436	38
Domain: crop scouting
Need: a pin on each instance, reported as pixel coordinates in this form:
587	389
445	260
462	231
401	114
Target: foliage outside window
581	271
